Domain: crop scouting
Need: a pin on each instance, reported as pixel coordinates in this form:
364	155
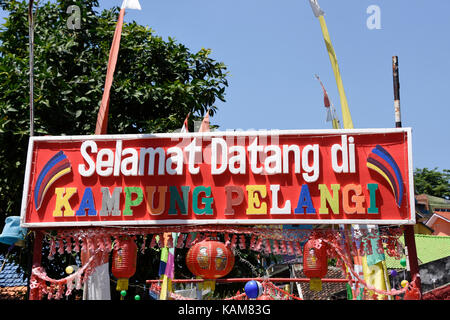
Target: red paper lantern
124	262
315	262
210	259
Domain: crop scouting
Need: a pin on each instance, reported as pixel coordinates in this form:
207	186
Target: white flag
131	4
316	8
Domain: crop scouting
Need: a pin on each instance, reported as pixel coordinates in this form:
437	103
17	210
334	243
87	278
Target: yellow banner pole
346	116
375	275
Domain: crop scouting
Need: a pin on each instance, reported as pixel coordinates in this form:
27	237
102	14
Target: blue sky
272	50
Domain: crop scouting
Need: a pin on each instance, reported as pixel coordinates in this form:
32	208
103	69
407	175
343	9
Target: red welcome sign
264	177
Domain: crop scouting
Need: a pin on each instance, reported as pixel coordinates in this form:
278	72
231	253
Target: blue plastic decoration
253	289
12	232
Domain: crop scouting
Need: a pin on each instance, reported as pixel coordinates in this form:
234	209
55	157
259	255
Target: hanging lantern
209	259
315	263
124	262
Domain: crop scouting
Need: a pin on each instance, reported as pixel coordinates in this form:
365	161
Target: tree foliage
156	82
432	182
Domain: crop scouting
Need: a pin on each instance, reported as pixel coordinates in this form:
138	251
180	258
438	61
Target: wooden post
37	255
408	230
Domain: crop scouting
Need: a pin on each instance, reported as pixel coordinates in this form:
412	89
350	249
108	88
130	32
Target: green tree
156	82
432	182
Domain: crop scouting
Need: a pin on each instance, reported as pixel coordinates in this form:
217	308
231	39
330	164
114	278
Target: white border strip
253	133
180	222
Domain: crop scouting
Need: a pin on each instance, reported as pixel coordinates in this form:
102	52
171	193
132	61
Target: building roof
438	215
328	289
9	276
13	293
429	248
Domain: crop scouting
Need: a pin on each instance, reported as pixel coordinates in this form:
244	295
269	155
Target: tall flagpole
346	116
102	117
408	230
374	272
31	62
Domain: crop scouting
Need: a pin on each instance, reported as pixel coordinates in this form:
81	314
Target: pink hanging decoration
233	241
101	244
227	239
267	248
76	247
283	247
60	246
59	291
298	248
190	239
143	244
160	240
276	249
170	241
68	245
84	247
253	242
78	283
108	243
290	249
200	237
91	244
380	249
180	241
52	249
258	245
369	250
153	242
361	249
242	242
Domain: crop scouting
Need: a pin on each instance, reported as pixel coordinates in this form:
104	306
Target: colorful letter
357	199
206	201
110	204
274	188
129	202
304	200
372	187
87	204
63	196
151	199
325	197
232	202
255	194
175	198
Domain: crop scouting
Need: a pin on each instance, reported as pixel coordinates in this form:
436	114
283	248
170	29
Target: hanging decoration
210	260
124	262
100	241
315	262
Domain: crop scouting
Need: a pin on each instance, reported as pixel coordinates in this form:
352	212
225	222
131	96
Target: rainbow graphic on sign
383	163
54	169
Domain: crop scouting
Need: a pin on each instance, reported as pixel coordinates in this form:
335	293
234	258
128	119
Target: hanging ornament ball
69	269
404	283
403	262
253	289
393	273
137	297
123	293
